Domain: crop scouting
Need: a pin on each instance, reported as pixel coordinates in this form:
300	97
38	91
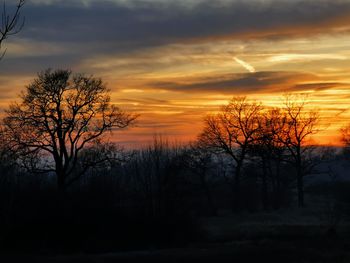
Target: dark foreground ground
245	251
293	237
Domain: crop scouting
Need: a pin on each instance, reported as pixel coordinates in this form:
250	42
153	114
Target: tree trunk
264	185
278	192
213	210
300	186
61	185
236	188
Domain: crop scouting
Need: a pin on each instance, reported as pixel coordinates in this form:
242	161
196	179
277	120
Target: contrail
244	64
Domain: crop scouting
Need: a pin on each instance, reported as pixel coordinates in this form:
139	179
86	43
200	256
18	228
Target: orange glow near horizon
173	85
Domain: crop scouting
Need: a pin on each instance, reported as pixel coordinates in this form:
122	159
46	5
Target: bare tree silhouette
11	24
231	132
345	137
60	116
270	153
296	128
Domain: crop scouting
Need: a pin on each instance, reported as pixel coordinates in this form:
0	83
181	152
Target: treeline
247	131
64	188
149	198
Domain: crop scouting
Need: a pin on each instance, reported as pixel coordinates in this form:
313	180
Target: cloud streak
245	65
249	83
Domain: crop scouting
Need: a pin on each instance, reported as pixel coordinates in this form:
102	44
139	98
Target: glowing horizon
173	63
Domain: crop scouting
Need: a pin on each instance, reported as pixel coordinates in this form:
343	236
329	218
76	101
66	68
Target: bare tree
271	154
11	24
345	137
231	132
59	116
99	155
297	126
159	176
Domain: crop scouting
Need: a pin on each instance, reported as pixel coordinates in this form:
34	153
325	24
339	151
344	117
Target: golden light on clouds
175	75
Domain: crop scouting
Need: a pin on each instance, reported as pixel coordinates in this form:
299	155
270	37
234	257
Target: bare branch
63	115
11	24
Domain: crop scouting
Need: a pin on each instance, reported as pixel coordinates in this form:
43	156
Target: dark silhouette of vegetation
271	154
245	129
231	132
345	137
248	158
297	127
201	163
60	116
145	199
11	24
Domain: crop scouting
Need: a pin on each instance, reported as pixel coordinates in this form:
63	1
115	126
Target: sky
173	62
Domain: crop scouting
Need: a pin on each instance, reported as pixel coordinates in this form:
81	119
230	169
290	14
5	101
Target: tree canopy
60	115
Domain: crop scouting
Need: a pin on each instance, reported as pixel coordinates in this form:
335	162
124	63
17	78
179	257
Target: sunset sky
173	62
